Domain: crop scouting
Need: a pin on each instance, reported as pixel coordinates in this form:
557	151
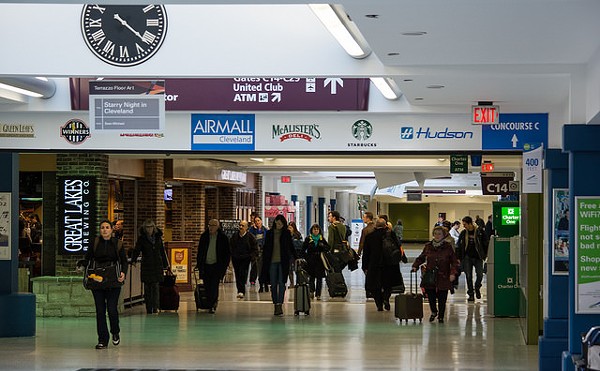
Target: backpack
392	254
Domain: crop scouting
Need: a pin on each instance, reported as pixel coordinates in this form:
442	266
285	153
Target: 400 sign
496	183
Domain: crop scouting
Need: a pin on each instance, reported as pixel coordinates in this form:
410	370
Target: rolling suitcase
169	297
301	290
409	305
336	286
200	292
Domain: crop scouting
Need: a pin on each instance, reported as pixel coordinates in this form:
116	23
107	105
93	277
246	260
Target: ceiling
515	53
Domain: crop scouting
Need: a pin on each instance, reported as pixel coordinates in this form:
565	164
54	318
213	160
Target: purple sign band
252	94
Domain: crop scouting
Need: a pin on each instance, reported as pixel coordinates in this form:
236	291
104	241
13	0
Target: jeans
316	285
211	279
106	299
277	283
468	264
151	296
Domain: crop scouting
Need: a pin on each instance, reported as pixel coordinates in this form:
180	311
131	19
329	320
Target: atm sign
487	115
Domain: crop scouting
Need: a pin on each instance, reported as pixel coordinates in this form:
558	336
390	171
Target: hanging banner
76	203
5	226
532	171
560	231
587	255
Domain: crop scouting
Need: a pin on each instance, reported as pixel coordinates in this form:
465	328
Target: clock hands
124	23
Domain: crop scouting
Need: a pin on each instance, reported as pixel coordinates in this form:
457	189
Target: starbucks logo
362	130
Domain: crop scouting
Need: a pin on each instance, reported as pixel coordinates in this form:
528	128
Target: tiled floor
346	334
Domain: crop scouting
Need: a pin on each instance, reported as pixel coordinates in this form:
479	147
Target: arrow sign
514	140
334	82
516	131
275	97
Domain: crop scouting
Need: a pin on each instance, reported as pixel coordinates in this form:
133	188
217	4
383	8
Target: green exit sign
511	215
459	164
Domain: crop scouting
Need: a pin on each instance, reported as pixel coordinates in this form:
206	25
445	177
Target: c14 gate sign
587	254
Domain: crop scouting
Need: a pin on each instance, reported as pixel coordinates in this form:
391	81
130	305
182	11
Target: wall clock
124	35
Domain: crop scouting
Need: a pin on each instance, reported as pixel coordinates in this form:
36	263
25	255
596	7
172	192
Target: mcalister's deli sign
76	219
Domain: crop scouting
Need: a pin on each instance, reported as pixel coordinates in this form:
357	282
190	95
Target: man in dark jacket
243	250
213	260
154	262
472	250
379	273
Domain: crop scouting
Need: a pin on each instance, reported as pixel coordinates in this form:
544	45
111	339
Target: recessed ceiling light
372	16
419	98
441	159
435	86
407	80
414	33
393	54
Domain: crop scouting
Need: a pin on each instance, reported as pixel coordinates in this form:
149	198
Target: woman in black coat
154	262
314	245
277	252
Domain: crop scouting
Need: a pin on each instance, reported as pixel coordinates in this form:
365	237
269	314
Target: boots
278	310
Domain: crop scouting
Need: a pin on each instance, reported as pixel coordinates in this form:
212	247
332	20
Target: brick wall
188	208
227	203
260	195
83	164
130	232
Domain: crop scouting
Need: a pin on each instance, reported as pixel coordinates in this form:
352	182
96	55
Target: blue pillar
581	143
309	208
332	204
321	210
555	337
17	311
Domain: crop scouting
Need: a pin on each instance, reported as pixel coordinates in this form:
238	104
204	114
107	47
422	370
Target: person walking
154	262
298	243
314	245
380	274
107	250
213	260
472	250
442	264
399	231
369	227
260	232
277	253
243	251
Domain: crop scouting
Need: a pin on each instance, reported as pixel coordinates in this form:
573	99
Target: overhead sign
484	114
496	183
253	94
587	255
127	106
223	132
459	164
516	131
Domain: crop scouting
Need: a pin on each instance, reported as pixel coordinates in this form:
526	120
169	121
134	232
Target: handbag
343	251
102	276
429	277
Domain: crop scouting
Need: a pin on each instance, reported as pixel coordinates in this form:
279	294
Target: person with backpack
154	262
107	250
379	264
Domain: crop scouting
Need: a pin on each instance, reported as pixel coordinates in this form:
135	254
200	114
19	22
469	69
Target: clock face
124	35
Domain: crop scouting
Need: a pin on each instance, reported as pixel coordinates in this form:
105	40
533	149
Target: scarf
315	238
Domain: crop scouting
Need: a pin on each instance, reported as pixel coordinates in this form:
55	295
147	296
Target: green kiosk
502	271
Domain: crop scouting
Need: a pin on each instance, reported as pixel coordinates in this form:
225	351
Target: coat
440	255
223	252
154	257
481	244
243	248
379	274
315	266
287	253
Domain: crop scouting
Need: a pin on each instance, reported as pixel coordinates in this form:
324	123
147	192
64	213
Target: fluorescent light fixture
387	86
31	86
342	28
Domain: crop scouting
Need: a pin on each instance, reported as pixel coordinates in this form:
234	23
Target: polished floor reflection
339	334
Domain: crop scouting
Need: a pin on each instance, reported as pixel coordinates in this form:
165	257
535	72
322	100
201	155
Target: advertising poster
587	255
5	226
76	204
179	264
560	231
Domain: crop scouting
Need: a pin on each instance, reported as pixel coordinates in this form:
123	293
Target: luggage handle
411	282
197	279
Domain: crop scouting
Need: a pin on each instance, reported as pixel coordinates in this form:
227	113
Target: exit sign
485	115
486	167
286	179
